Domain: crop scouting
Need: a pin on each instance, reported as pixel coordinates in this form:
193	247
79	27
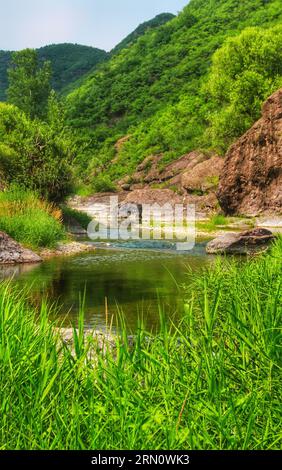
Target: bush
30	220
70	214
34	155
245	71
103	183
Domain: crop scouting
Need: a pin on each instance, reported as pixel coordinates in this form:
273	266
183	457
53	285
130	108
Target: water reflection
11	270
135	281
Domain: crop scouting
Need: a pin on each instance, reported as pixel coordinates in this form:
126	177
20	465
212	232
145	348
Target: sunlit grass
212	382
29	219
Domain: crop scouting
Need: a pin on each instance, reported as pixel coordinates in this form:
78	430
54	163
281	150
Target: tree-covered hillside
5	57
69	62
159	90
159	20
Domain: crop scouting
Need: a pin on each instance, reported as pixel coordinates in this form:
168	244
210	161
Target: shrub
244	72
103	183
34	155
80	217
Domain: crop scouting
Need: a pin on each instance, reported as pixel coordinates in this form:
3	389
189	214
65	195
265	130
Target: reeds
212	382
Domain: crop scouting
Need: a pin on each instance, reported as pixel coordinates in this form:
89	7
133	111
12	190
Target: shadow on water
135	280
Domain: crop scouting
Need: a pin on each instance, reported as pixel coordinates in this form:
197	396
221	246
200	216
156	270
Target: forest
196	82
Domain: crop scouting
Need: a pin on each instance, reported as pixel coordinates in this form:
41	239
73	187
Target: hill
151	92
159	20
69	62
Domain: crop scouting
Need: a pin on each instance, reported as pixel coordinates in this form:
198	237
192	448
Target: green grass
211	225
84	190
219	219
30	220
214	382
70	214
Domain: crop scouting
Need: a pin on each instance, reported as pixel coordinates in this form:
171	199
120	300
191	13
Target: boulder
251	180
240	243
12	252
204	176
183	164
198	170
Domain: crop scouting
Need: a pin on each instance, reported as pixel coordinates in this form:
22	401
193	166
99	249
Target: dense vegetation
34	154
29	83
29	219
160	91
159	20
5	57
212	383
69	62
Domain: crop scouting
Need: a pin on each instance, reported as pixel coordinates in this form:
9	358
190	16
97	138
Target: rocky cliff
251	180
191	179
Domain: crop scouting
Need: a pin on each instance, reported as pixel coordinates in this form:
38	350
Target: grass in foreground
30	220
212	383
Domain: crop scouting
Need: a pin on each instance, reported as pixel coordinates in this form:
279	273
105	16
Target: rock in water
240	243
12	252
251	181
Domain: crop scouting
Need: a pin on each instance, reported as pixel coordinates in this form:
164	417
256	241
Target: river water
133	278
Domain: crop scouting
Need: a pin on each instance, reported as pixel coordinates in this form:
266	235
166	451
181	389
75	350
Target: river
134	278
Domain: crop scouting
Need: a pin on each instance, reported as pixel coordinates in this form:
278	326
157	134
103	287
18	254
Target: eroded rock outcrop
12	252
251	180
191	179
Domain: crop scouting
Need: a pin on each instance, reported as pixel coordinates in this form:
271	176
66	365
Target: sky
98	23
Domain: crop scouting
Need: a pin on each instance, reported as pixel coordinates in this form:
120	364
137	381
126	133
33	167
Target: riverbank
212	383
70	248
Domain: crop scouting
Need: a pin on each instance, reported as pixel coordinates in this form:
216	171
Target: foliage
212	383
70	214
103	183
154	90
30	220
159	20
34	154
69	62
245	71
5	58
29	83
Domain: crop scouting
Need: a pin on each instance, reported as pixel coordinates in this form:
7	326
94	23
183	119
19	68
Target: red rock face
251	180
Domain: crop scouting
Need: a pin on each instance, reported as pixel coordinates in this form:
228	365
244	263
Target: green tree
55	112
29	83
245	71
35	155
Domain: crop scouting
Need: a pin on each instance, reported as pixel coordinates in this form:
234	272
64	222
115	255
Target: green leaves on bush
34	155
245	71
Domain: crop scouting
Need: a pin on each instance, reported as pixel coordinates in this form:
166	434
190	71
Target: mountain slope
5	57
151	90
159	20
69	62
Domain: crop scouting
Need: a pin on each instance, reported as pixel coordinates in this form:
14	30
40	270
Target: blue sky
99	23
